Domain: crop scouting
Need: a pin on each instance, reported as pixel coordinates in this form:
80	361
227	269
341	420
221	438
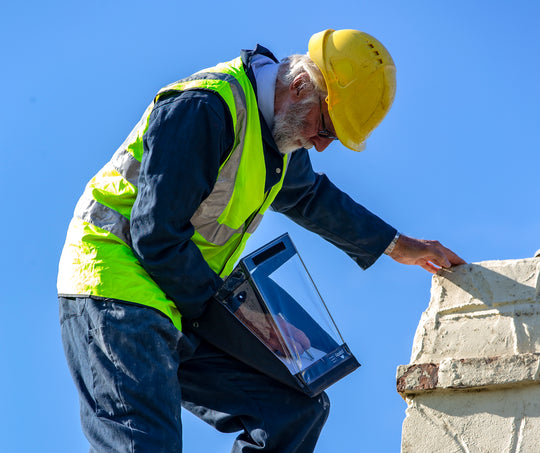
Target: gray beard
287	125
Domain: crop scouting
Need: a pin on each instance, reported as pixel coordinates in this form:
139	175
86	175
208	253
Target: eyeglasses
325	133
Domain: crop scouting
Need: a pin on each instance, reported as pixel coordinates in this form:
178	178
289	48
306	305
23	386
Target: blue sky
456	159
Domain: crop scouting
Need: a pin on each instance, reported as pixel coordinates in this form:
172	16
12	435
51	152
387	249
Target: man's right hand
430	255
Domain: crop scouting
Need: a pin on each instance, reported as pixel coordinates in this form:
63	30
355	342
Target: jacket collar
272	157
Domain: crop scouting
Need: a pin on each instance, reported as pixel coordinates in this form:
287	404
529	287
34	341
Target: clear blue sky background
455	160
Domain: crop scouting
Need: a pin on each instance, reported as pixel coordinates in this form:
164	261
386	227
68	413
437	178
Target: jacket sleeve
187	137
314	202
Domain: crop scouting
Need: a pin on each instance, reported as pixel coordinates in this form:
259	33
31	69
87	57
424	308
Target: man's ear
299	86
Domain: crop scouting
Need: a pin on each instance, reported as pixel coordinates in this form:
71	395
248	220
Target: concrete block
506	420
473	382
481	310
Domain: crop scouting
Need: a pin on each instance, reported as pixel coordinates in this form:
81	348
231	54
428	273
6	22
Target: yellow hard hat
361	79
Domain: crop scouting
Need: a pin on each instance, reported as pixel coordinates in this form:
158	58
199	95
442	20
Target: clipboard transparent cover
272	296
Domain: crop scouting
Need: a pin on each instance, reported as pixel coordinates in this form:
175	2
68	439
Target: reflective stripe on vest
97	258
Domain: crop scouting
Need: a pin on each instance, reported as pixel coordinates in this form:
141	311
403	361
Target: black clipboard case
268	296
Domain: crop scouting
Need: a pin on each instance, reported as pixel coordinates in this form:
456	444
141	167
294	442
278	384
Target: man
161	225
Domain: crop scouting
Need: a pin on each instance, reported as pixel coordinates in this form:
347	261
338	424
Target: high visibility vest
97	259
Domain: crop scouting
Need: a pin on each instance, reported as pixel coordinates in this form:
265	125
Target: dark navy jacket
188	137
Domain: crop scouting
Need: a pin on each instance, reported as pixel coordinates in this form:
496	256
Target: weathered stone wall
473	381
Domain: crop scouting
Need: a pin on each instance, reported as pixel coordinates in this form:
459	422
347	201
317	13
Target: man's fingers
301	338
295	334
298	339
429	267
440	260
277	345
434	263
291	346
306	344
454	259
447	257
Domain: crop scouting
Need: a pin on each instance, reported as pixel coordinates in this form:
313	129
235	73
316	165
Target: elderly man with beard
160	225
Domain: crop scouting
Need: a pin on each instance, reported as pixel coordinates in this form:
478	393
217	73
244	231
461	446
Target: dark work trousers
134	370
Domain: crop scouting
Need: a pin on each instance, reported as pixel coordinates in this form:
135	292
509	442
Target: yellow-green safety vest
97	259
